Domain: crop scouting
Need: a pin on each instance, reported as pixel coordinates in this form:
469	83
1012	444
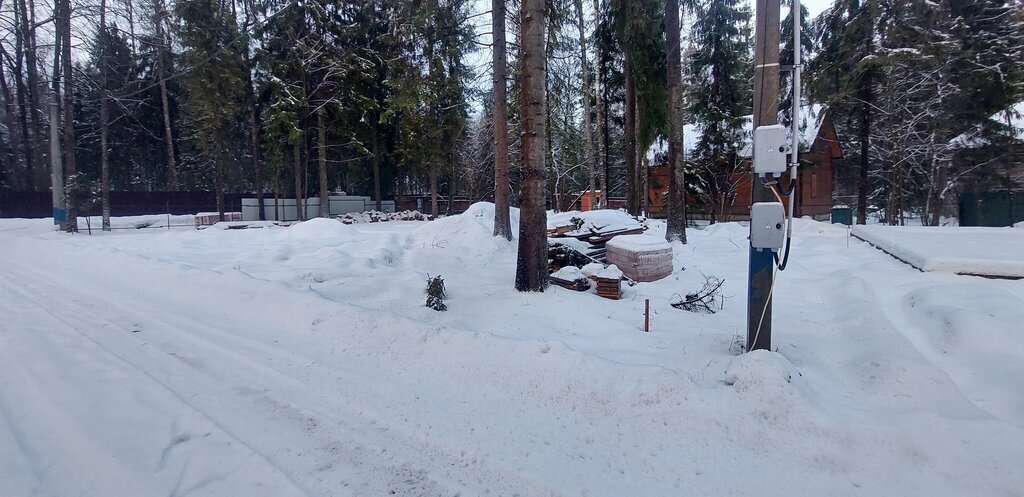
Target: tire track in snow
77	348
285	401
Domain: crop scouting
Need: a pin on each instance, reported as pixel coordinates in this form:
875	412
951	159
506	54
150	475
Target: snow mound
759	371
592	269
319	228
471	229
569	273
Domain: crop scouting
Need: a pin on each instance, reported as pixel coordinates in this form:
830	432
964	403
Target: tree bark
375	146
254	127
297	156
629	131
499	65
70	162
60	217
172	166
27	180
321	147
433	190
9	162
532	258
36	170
104	118
602	145
676	208
588	130
865	148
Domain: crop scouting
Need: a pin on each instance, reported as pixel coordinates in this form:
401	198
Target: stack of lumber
639	257
609	283
211	218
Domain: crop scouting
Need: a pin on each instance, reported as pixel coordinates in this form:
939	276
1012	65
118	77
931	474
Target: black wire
785	255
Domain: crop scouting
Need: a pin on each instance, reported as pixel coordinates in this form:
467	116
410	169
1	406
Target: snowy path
213	395
157	364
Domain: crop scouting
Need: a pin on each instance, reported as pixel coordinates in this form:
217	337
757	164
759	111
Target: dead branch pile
707	300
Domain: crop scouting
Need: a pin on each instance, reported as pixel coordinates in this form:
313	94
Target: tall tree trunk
499	65
9	161
164	41
35	166
676	208
433	190
104	118
60	216
588	130
28	147
321	147
218	184
70	162
254	125
865	148
532	258
606	139
297	156
602	145
375	147
629	131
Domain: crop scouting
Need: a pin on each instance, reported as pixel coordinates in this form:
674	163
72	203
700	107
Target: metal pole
795	154
766	111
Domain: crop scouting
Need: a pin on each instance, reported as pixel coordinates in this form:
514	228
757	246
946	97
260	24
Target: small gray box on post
767	225
769	150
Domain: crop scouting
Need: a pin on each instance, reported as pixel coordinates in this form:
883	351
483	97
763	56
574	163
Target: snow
569	273
302	361
597	221
639	243
960	250
612	272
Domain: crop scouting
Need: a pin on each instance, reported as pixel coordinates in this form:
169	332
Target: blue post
759	303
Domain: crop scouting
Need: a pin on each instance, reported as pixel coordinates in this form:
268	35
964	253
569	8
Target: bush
436	293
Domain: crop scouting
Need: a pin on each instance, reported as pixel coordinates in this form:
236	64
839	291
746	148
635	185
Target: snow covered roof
810	123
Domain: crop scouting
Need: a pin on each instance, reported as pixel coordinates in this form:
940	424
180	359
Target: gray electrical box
767	225
769	149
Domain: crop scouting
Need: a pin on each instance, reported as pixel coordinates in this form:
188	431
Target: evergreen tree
719	96
214	84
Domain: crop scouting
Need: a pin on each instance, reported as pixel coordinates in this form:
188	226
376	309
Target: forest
385	98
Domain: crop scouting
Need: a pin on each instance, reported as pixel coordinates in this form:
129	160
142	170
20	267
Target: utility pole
766	112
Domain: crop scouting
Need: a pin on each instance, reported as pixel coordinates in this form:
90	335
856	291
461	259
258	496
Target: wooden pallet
609	288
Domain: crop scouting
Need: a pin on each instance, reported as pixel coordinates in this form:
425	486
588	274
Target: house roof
810	122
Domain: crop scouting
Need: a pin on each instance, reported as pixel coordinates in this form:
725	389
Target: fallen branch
707	300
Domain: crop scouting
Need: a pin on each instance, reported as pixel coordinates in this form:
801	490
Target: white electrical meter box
767	225
769	149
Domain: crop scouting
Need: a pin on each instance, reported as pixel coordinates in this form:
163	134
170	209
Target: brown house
813	194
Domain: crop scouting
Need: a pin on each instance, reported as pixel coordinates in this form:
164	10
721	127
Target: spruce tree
719	96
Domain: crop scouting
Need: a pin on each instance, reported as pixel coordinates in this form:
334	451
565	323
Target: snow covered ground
962	250
302	361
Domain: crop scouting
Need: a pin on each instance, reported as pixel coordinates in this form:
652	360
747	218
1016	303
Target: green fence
991	208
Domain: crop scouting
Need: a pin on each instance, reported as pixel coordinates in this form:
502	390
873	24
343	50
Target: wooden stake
647	315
